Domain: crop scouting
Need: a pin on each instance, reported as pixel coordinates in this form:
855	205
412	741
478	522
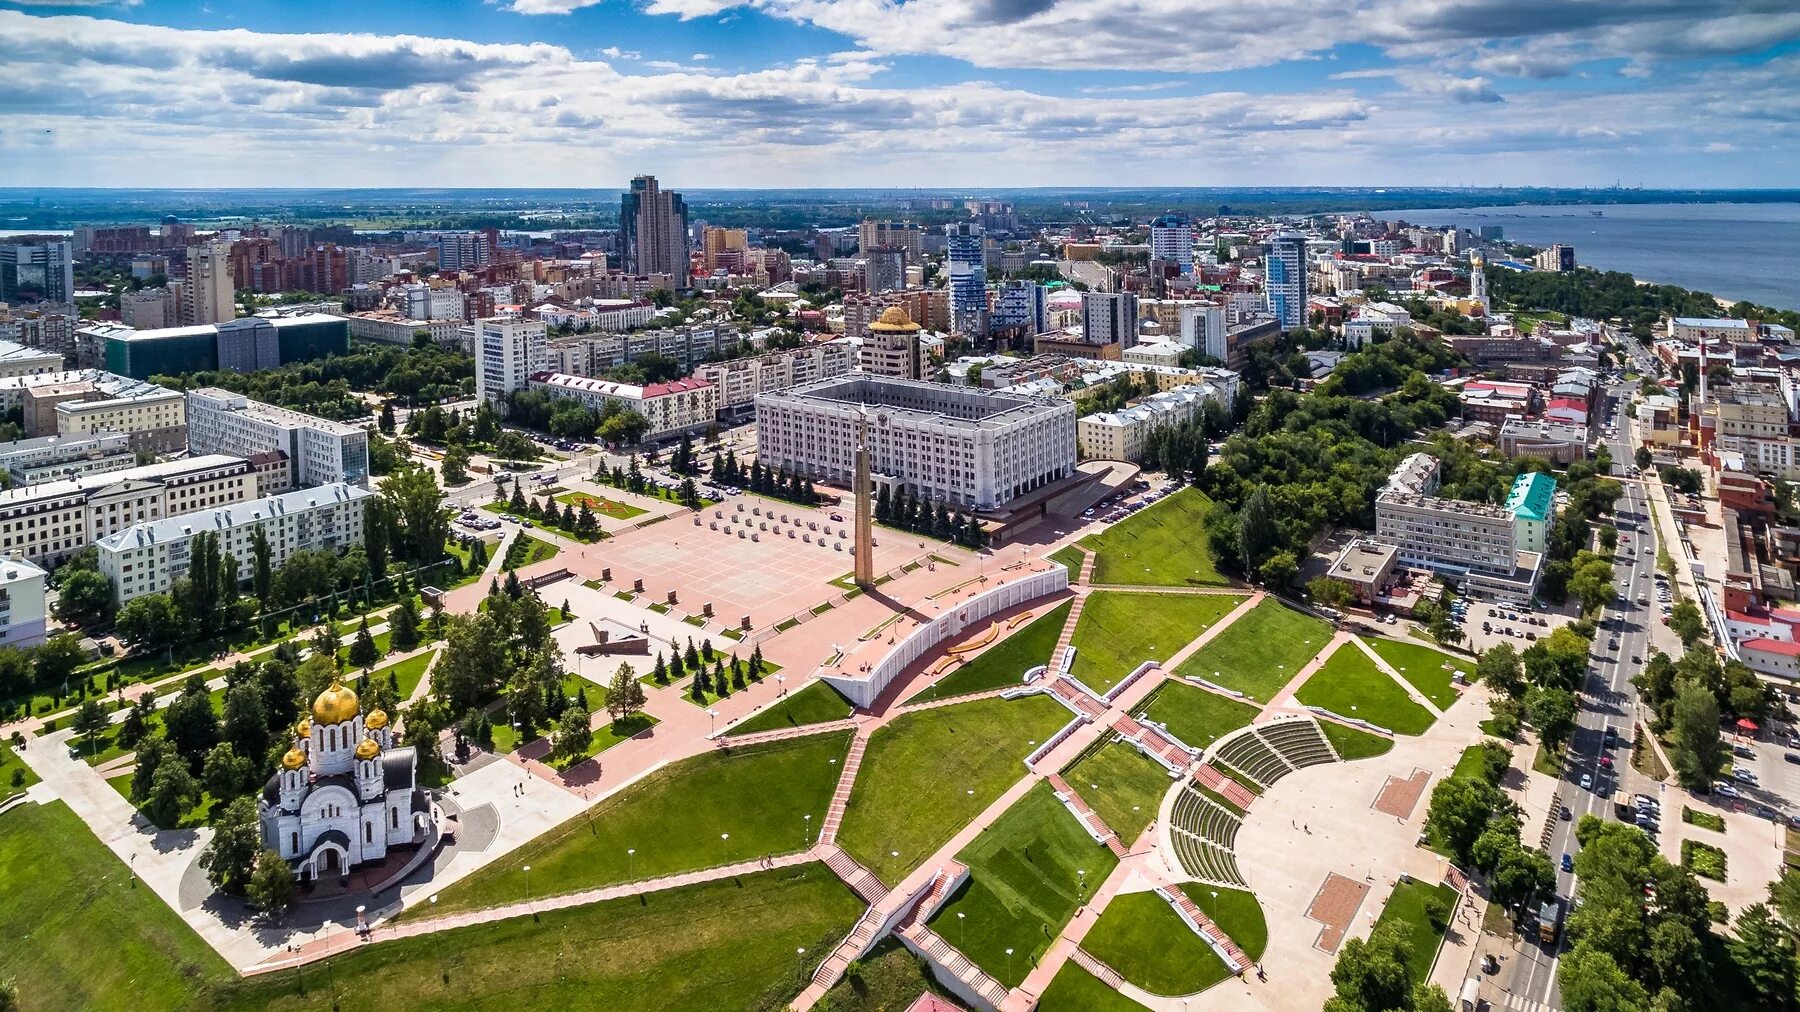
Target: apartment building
1492	550
1109	318
148	556
906	235
740	380
891	346
594	354
50	458
1120	435
90	402
962	445
24	620
319	450
19	360
683	405
507	352
48	522
389	327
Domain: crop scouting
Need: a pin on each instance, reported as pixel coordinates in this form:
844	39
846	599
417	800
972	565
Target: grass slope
817	703
1006	662
717	945
1350	685
1076	990
1123	785
1236	912
1163	546
1428	670
891	978
83	935
1118	631
1195	715
1407	906
673	819
1354	744
1143	938
1024	885
1261	651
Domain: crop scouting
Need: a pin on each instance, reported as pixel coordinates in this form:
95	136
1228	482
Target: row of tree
897	506
581	523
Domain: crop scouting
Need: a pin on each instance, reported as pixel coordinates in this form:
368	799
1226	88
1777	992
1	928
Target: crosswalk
1518	1003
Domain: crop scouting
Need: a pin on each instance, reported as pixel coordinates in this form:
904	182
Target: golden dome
894	320
304	728
377	720
293	760
368	748
335	705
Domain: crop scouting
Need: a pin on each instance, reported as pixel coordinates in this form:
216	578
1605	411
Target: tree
455	466
1553	714
1330	592
84	596
363	652
89	721
1373	974
137	721
1279	568
1591	581
246	722
227	774
262	576
403	624
1697	752
1520	873
152	754
1784	896
375	536
1459	811
172	792
624	696
189	723
1593	982
230	857
1499	667
1256	529
661	671
416	504
1642	457
1686	623
150	622
271	885
573	736
473	663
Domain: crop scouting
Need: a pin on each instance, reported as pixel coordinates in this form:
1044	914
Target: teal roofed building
1532	503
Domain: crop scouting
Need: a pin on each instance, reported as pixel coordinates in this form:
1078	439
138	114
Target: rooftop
89	483
609	388
965	407
233	401
1533	496
219	518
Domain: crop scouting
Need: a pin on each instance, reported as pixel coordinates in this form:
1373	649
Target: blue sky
711	93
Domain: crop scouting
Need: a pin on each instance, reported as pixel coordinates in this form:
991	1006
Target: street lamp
1082	872
1009	971
805	831
713	718
528	886
962	931
726	837
631	855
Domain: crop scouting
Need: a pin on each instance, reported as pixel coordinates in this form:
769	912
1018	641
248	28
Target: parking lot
1127	501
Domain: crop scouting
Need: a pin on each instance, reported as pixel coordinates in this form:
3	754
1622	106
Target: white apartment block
148	309
594	354
507	353
389	327
319	451
682	405
49	522
1120	435
1109	318
50	331
51	458
23	617
18	360
1478	543
741	380
961	445
147	557
89	402
1203	329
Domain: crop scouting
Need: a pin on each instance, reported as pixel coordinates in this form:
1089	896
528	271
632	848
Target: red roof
1771	647
1571	403
1747	618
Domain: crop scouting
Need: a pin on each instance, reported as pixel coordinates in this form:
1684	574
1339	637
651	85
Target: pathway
1399	679
840	798
1283	700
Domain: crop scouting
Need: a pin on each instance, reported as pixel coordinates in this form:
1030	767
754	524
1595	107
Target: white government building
345	794
962	445
319	450
147	557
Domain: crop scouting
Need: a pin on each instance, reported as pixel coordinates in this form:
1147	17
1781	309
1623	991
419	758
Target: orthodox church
344	794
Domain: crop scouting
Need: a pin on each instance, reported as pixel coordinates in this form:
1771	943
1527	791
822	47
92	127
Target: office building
207	295
1557	257
1109	318
1172	240
52	458
965	263
507	352
319	450
37	270
891	346
653	231
24	620
1284	279
904	235
148	556
1494	551
90	402
172	351
1554	441
683	405
1203	329
963	446
50	521
390	327
1022	307
740	380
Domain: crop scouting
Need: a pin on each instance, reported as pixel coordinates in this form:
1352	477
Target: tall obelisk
865	521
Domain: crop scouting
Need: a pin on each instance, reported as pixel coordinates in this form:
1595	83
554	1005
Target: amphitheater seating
1203	833
1247	752
1299	741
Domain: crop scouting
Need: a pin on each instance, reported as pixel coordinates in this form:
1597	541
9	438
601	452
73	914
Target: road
1608	697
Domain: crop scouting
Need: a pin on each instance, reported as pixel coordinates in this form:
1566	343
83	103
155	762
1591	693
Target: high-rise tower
1284	279
966	260
653	231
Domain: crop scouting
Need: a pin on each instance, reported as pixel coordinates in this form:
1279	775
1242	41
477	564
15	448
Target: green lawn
83	934
1470	763
1163	546
891	978
817	703
1006	662
1076	990
1195	715
927	774
526	550
1118	631
673	819
1428	670
728	944
1261	651
1141	936
1071	558
601	505
1407	906
15	776
501	509
1236	912
1024	885
1352	743
1350	685
1123	785
607	735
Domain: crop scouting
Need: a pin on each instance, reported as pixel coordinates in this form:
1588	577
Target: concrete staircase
1096	826
834	816
945	956
1204	926
1107	975
858	878
1224	786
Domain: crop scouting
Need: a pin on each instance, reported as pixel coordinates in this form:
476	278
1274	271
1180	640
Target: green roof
1532	496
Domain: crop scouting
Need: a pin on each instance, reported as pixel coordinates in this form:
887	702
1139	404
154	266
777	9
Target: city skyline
706	94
